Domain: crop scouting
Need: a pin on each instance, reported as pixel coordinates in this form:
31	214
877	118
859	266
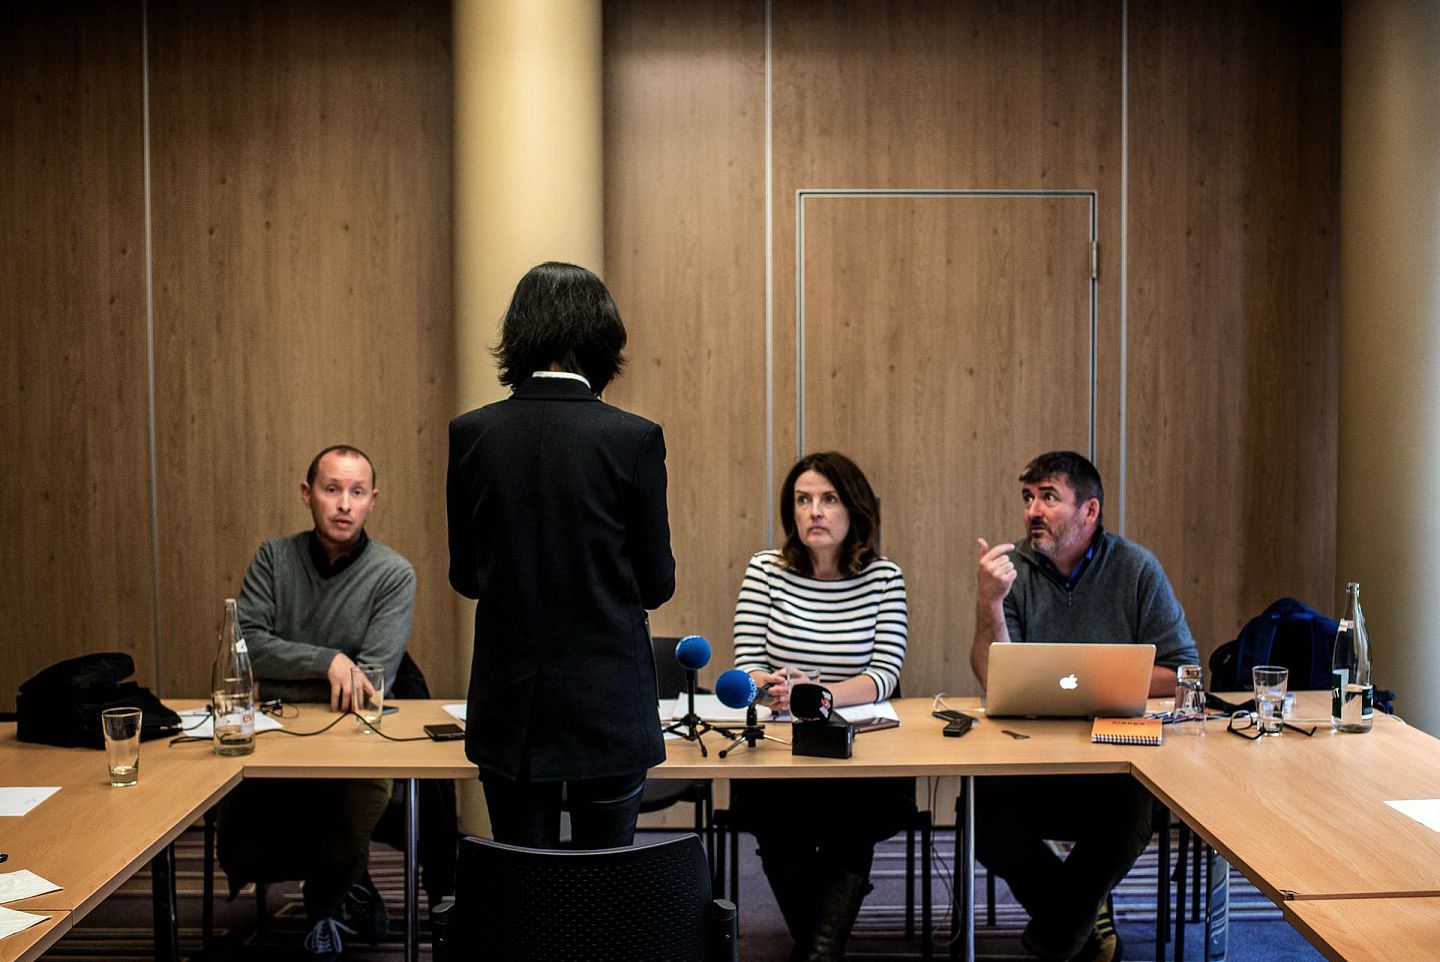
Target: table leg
962	918
412	870
207	887
1217	909
162	892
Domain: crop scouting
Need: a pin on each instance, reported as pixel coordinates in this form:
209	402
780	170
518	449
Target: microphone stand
750	734
691	726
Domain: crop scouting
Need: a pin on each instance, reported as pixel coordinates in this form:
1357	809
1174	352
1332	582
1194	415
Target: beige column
1388	517
528	180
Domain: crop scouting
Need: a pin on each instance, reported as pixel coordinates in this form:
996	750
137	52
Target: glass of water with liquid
1271	682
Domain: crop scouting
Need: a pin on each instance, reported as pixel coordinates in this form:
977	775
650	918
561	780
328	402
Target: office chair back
669	676
647	902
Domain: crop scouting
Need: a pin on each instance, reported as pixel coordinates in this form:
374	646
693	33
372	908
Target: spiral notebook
1128	731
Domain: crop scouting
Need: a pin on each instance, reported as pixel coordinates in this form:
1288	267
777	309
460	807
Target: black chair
646	903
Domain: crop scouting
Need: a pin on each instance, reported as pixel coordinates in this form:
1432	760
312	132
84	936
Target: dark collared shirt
321	560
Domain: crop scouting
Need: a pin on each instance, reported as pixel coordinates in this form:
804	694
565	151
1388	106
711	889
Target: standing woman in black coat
559	528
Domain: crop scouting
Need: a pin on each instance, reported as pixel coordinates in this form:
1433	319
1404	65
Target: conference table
1303	818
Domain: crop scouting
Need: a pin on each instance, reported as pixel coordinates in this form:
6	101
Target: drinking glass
1188	718
1270	682
367	693
122	745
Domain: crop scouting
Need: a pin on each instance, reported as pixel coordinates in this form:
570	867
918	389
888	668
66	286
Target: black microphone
810	702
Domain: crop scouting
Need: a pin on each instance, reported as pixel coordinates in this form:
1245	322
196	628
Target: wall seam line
1124	258
156	627
769	277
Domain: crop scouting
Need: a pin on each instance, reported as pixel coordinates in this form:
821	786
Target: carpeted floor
120	928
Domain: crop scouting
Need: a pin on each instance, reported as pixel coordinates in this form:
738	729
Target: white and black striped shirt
853	626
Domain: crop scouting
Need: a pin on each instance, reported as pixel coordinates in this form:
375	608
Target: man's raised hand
995	574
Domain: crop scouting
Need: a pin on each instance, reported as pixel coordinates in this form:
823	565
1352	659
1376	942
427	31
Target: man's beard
1048	541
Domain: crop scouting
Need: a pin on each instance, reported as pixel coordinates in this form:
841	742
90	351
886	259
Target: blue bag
1290	634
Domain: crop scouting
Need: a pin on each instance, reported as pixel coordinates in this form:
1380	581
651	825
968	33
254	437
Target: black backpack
62	704
1290	634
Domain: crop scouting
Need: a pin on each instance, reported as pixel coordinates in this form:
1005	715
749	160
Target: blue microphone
692	652
735	689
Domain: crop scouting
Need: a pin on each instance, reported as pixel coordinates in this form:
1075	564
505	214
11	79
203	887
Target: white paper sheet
710	708
18	801
879	709
206	728
23	884
1426	811
12	921
456	711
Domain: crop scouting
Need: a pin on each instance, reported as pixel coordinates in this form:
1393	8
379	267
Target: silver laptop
1068	680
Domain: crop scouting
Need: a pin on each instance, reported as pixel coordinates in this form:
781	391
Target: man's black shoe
364	910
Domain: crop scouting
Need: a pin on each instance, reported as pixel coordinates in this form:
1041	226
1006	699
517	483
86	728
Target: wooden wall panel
303	291
946	340
75	480
1231	405
1233	311
684	253
958	96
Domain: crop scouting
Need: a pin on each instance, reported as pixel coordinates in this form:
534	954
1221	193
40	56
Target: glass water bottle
232	689
1352	696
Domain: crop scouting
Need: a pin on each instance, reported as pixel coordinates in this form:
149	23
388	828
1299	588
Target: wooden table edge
56	901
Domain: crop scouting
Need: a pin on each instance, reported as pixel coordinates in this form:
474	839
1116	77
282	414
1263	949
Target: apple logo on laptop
1070	682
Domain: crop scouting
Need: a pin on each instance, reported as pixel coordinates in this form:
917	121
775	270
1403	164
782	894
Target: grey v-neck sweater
295	621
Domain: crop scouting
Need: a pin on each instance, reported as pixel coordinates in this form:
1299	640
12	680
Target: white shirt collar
574	377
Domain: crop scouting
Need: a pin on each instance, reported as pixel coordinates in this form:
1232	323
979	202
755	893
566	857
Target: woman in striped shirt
825	603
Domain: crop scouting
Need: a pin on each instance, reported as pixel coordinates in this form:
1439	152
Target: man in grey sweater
313	605
1071	581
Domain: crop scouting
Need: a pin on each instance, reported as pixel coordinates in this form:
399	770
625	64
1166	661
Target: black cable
181	739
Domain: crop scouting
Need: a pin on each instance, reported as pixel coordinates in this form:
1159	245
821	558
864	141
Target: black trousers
812	832
602	810
1107	817
316	829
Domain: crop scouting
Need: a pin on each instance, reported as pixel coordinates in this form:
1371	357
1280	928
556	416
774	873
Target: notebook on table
1036	680
1128	731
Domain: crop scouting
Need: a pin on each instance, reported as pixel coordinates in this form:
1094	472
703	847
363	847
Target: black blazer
558	526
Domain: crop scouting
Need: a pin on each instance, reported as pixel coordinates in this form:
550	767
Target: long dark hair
859	547
561	314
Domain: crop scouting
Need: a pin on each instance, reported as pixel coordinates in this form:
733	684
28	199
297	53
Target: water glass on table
1188	716
122	745
367	694
1271	682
